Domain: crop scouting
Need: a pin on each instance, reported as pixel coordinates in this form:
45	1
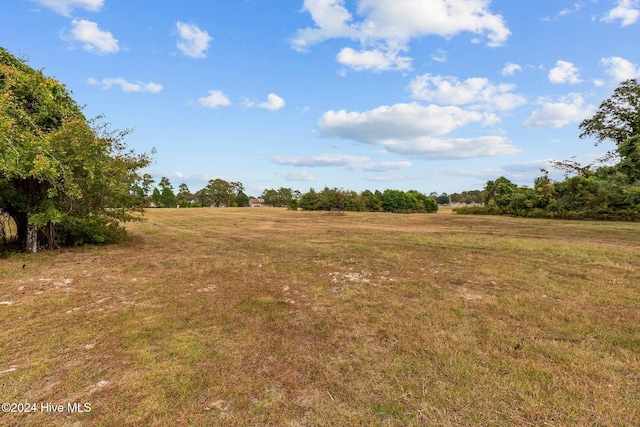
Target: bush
472	210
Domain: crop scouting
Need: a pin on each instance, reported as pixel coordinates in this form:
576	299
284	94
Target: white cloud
215	99
126	86
620	69
273	103
576	8
519	172
387	26
402	20
451	148
568	109
300	175
351	162
440	56
527	168
247	103
65	7
93	39
510	69
411	130
321	160
398	120
627	11
384	166
172	175
476	92
564	72
374	60
193	41
332	20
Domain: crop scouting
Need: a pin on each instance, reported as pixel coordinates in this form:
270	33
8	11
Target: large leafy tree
62	177
617	118
184	196
219	193
166	199
277	198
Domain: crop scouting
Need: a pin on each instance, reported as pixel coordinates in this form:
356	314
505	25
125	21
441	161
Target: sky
432	95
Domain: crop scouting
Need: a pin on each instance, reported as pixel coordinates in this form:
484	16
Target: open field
270	317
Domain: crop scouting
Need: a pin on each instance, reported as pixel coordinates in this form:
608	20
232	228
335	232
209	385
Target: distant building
256	203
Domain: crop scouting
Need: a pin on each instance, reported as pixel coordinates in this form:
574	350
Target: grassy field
265	317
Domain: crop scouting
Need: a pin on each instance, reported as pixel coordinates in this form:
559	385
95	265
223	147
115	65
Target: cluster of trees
163	197
466	197
64	179
218	192
367	201
587	192
281	197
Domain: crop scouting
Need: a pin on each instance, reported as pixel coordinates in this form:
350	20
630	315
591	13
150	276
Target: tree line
470	197
608	190
367	201
220	193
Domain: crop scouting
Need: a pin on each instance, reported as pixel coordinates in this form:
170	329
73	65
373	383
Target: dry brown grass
270	317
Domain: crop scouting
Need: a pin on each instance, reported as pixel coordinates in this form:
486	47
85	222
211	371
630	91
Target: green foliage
241	200
472	210
396	201
617	118
443	199
293	205
388	201
466	197
606	192
309	201
184	196
168	199
278	198
93	229
497	194
603	194
58	169
220	193
164	197
353	202
155	197
372	201
331	200
424	202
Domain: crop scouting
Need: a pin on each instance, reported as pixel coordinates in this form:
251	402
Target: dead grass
271	317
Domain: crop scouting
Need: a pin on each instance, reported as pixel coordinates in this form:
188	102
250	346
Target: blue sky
432	95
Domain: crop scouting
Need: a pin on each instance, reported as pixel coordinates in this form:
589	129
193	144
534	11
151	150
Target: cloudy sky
433	95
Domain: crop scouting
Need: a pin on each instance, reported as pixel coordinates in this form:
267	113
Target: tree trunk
27	235
20	218
32	239
49	233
